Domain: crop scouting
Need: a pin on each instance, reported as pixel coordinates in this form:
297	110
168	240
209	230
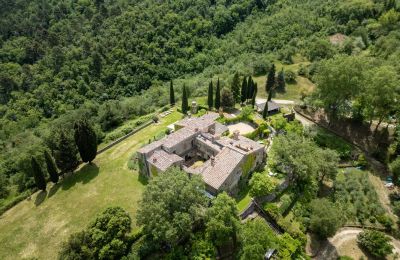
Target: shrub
260	184
375	242
290	76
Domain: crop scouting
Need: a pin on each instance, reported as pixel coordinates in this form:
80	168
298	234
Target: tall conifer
185	103
253	99
265	111
210	100
66	152
218	96
38	174
171	94
270	84
244	90
85	140
236	87
280	81
51	167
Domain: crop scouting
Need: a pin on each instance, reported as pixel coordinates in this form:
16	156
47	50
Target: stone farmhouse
199	146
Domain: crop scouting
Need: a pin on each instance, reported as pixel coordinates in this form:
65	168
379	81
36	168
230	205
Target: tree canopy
175	202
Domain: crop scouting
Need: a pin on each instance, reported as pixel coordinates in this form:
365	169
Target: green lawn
243	199
36	228
293	90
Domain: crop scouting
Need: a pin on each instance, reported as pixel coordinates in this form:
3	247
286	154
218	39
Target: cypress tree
171	94
38	174
265	111
270	84
244	90
66	153
218	96
280	81
236	87
51	167
250	87
85	140
253	99
210	96
185	104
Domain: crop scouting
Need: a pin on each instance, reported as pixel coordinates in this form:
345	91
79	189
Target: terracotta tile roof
163	160
177	137
225	162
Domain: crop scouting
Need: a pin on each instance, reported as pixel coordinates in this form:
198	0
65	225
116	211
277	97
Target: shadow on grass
54	189
327	251
40	197
244	190
84	175
142	179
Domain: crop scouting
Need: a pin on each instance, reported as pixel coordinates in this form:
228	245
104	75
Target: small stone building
198	147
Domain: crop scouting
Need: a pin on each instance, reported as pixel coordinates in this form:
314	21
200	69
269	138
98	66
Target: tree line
66	160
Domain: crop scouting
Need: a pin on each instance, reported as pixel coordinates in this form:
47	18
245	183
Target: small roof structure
272	106
337	38
163	160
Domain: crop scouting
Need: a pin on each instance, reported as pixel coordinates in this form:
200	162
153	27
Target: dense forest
110	61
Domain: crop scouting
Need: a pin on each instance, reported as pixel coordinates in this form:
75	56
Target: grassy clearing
243	199
36	228
293	90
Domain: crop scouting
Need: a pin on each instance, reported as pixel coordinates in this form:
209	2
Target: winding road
344	236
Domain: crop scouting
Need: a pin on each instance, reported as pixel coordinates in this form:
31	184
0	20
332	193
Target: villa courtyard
243	128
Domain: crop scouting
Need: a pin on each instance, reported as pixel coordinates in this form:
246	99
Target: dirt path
345	242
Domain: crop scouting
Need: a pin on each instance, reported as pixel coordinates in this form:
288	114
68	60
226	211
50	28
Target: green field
293	90
37	227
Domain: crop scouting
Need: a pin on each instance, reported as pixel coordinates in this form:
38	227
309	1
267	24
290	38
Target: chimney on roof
236	134
196	129
154	160
212	159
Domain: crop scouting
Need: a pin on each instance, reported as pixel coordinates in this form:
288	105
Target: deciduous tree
257	238
222	221
325	218
260	184
175	203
